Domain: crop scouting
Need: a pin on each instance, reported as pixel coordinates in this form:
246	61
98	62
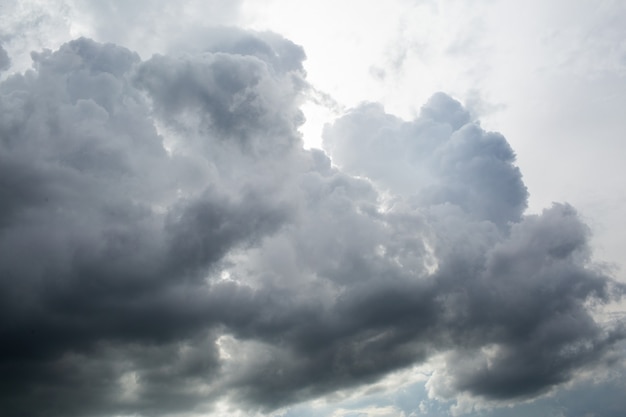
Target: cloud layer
167	243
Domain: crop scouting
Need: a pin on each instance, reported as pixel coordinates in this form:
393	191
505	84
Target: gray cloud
167	242
5	61
103	235
141	25
438	158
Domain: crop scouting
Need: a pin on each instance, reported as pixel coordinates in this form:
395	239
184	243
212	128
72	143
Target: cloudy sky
304	209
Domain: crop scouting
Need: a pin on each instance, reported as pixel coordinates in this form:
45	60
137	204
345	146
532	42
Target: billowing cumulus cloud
168	245
438	158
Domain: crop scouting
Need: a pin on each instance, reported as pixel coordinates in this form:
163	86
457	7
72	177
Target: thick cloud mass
166	243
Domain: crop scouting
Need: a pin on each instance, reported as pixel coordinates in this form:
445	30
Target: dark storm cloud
528	305
166	242
104	240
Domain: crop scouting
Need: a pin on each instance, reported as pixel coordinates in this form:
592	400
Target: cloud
141	23
103	232
438	158
5	61
520	293
167	243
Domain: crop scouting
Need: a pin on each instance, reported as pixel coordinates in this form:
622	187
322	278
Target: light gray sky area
269	208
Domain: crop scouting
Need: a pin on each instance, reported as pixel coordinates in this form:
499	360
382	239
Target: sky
304	209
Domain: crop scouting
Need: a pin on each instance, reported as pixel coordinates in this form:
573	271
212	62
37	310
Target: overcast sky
302	209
